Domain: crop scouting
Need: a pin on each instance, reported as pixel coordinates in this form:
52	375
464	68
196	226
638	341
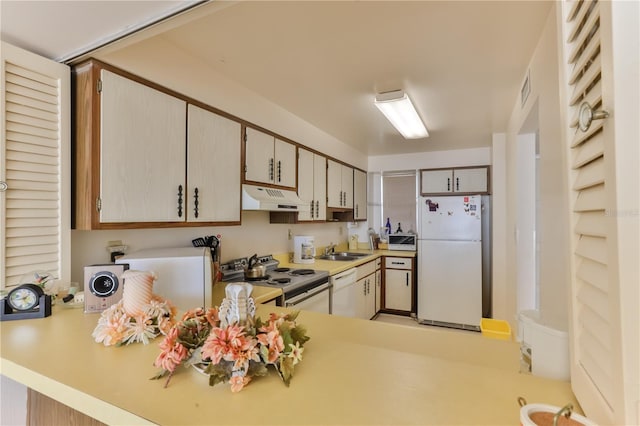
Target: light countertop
353	372
337	266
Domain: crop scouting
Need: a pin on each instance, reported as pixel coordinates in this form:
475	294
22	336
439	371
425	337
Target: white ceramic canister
304	249
543	414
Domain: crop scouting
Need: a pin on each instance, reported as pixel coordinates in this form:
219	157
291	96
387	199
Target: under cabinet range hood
271	199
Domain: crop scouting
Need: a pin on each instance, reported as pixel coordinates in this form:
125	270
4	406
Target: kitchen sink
345	256
337	257
348	253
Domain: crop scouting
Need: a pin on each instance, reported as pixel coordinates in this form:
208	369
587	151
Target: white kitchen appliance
184	274
302	289
450	261
304	249
400	241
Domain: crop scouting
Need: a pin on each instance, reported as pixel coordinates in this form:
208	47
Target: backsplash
255	235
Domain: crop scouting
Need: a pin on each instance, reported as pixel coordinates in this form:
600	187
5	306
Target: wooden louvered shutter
603	179
35	166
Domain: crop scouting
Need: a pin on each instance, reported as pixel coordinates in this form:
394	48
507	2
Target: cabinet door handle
279	171
195	202
179	200
448	184
457	184
271	171
356	211
364	288
3	186
317	209
407	279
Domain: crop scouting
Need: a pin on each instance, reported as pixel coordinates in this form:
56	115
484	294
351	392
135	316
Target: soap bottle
388	227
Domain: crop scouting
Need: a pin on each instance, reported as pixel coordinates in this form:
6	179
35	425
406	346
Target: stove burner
281	269
280	280
303	272
266	277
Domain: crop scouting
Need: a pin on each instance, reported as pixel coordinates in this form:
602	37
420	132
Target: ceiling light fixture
399	110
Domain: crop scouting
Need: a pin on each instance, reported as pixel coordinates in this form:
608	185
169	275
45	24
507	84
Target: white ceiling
462	62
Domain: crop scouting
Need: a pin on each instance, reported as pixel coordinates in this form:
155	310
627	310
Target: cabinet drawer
397	262
366	269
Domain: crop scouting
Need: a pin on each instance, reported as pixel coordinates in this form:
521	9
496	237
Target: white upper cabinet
145	159
471	180
339	185
285	163
467	180
312	184
213	160
269	160
142	156
359	195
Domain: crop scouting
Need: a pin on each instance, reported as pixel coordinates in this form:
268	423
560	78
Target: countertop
337	266
353	372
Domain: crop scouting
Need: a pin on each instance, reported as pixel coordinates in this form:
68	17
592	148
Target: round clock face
25	297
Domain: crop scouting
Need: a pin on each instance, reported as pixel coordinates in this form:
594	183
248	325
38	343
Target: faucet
330	248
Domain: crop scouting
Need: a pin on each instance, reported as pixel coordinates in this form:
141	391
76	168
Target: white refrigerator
450	261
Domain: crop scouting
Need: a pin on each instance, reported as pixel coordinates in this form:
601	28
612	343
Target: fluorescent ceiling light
399	110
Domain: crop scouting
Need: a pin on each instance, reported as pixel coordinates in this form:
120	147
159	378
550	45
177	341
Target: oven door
316	299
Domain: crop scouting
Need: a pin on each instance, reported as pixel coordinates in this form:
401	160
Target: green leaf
299	334
219	373
286	369
292	316
257	369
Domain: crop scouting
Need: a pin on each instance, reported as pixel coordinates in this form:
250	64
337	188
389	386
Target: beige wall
552	233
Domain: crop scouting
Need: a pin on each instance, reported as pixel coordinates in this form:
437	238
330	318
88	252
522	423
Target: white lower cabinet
366	290
398	281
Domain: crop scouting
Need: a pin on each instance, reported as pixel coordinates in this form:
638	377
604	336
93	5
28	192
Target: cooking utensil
255	270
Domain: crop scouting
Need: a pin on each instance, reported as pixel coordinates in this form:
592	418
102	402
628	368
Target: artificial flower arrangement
139	316
117	327
233	348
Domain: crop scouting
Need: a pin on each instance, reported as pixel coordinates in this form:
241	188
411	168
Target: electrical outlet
289	234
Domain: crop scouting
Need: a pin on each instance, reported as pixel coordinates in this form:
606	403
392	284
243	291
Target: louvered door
603	178
35	166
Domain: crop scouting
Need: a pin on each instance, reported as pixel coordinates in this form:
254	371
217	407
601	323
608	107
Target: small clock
25	301
25	297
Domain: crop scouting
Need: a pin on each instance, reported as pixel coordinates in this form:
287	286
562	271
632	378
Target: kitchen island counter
353	372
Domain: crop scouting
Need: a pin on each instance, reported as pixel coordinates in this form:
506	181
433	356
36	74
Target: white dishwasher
344	293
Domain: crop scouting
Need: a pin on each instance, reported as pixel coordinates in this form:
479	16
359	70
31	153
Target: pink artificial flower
216	345
274	343
173	353
238	382
112	326
192	313
165	324
212	317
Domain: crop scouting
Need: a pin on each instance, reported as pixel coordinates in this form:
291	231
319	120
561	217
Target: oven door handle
307	294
